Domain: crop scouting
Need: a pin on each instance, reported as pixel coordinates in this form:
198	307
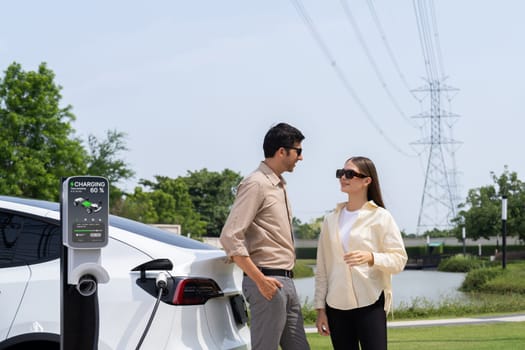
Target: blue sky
197	84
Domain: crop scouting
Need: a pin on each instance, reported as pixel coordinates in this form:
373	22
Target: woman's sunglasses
348	173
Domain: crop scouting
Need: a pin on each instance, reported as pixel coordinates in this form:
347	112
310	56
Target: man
258	237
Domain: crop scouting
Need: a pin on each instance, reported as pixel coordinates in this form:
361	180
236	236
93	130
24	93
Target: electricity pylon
439	197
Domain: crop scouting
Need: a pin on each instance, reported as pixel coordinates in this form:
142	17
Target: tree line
38	147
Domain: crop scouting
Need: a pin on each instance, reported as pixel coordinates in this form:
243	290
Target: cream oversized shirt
343	287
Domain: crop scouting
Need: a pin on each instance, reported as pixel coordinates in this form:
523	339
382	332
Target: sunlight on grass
493	336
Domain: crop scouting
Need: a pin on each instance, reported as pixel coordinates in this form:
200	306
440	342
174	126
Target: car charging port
161	282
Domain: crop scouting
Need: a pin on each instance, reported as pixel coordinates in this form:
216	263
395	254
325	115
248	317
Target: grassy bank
494	336
472	304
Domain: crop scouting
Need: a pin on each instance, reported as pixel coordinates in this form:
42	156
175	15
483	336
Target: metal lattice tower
439	198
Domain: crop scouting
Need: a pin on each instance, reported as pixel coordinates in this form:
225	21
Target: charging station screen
87	211
88	232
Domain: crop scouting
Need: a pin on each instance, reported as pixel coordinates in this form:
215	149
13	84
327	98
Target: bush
476	279
460	263
302	269
508	281
496	280
309	313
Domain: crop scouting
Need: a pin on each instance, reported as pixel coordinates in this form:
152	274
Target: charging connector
161	282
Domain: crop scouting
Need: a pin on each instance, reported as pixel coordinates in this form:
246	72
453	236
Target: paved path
447	321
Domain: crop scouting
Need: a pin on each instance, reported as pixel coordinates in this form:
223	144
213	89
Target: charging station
85	217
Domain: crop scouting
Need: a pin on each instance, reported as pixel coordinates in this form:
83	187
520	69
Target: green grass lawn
493	336
501	293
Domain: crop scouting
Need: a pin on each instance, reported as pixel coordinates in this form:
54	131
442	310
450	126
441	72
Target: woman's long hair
367	167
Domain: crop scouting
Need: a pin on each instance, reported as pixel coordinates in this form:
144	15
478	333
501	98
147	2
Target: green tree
510	186
212	195
103	160
37	142
481	212
437	233
37	147
167	202
307	230
137	206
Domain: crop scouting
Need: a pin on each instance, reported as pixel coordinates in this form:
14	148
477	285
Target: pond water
407	286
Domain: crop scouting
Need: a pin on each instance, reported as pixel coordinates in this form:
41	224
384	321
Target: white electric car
202	309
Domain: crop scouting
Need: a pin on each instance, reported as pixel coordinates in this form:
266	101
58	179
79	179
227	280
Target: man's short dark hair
280	135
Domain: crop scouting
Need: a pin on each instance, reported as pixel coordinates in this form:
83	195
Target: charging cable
162	283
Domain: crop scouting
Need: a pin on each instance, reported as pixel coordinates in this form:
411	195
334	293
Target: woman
360	247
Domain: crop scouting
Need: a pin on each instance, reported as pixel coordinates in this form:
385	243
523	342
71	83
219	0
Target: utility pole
464	236
504	231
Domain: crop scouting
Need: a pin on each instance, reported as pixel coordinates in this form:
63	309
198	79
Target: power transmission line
372	61
340	74
391	55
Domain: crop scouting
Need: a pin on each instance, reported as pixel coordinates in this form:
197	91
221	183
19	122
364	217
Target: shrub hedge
461	263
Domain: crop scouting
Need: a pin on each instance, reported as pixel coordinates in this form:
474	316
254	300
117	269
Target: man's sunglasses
297	149
348	173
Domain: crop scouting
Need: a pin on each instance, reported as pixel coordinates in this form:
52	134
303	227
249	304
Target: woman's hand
359	257
322	322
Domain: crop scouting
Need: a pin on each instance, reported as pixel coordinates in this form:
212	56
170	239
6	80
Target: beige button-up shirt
260	222
343	287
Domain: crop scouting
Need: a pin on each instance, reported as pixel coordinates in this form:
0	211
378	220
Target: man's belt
276	272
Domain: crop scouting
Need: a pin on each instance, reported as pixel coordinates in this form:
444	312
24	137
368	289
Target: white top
346	221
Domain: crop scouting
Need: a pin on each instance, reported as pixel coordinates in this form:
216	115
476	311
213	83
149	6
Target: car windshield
124	224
